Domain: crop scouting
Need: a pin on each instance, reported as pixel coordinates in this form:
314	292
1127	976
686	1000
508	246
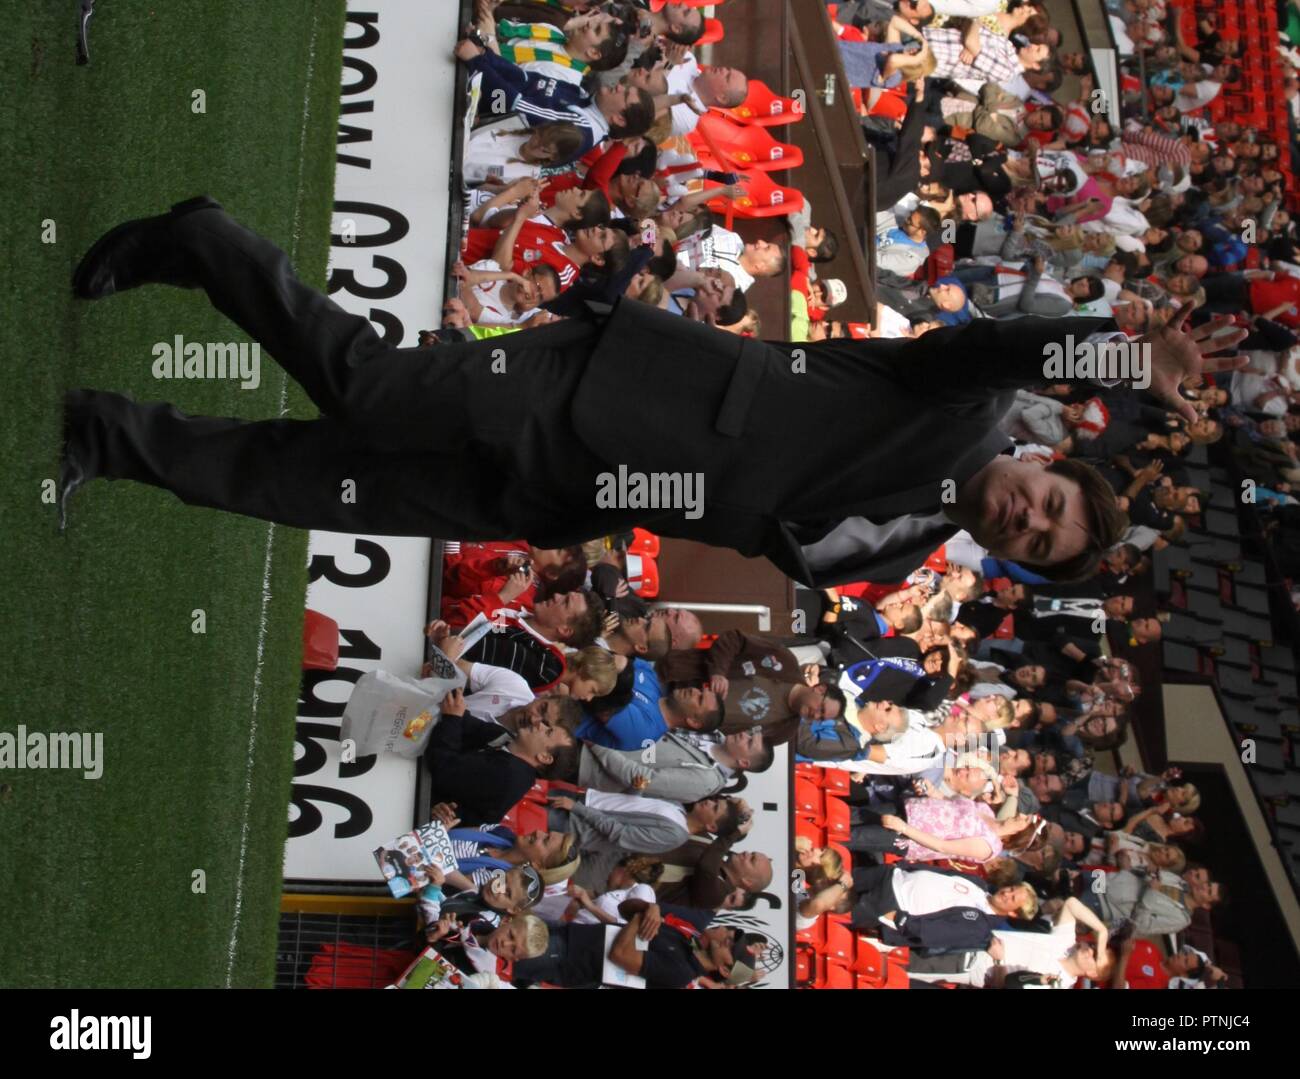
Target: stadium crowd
969	714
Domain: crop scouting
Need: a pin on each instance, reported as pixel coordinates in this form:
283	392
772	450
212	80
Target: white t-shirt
635	803
610	901
493	691
496	311
1041	953
681	79
923	892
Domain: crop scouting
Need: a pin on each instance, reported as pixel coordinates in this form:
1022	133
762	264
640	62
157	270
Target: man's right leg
308	474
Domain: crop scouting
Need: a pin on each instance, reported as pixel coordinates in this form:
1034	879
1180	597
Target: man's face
1031	676
1100	726
974	206
559	612
1021	511
716	85
1032	56
1146	629
948	297
744	746
612	101
1014	762
709	813
878	717
915	13
764	258
1075	844
585	34
1039	120
1196	265
1118	606
813	703
539	742
1046	788
595	241
695	702
1108	814
683	626
813	238
750	870
681	19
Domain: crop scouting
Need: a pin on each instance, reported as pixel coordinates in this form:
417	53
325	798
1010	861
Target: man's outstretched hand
1177	353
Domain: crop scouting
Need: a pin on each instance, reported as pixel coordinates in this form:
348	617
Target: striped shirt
996	62
518	650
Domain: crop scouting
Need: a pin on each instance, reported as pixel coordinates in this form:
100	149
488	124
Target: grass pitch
97	876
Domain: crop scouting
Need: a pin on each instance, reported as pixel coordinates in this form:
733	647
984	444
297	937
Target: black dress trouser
436	441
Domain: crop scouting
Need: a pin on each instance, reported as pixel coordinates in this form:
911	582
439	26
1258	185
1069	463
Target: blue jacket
638	723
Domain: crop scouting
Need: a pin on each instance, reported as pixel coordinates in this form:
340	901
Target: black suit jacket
737	411
483	782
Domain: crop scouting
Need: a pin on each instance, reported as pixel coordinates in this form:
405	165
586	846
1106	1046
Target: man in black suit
510	438
484	769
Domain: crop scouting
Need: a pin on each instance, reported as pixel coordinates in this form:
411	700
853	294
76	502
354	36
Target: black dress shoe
138	252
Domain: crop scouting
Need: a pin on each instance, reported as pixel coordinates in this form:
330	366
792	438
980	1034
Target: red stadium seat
838	944
741	147
763	197
869	963
838	826
713	32
530	817
765	107
320	641
814	936
643	542
643	575
833	975
810	830
805	960
809	802
835	781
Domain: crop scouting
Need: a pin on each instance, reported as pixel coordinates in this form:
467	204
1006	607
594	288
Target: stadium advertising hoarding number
386	263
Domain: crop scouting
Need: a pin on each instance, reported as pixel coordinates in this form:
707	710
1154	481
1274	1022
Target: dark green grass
95	876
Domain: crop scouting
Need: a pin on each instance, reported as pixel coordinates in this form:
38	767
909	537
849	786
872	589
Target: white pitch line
270	543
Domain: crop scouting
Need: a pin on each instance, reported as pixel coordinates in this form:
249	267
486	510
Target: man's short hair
827	249
1106	522
585	627
594	212
545	269
834	693
711	721
568	714
638	115
1095	288
762	760
930	219
564	763
688	35
729	822
911	621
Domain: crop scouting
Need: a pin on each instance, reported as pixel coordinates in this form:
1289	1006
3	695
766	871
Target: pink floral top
950	818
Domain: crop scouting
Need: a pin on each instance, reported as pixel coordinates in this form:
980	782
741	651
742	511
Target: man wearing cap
510	438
